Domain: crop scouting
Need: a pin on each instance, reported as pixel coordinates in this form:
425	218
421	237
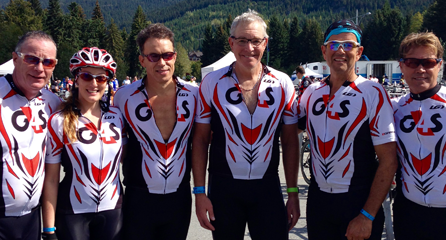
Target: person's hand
293	209
359	228
203	206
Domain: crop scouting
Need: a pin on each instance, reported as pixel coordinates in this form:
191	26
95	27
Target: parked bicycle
305	159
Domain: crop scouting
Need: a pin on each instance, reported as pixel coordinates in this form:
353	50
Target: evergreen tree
10	33
35	4
221	44
312	36
114	44
434	19
416	21
278	43
293	44
132	52
196	70
97	14
208	45
182	64
20	13
54	21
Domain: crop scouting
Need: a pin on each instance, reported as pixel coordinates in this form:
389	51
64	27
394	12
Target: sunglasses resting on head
31	59
425	62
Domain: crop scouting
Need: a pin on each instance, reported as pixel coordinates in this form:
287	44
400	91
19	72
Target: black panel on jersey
364	157
63	195
131	165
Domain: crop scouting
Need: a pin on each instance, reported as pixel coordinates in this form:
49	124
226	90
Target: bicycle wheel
305	161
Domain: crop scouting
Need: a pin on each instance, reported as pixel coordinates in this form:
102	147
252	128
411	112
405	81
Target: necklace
255	85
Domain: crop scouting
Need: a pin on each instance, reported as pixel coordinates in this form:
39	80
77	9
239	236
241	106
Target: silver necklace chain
255	85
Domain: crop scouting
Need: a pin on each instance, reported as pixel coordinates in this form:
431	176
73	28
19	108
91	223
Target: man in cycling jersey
420	204
247	106
305	82
348	119
25	108
160	111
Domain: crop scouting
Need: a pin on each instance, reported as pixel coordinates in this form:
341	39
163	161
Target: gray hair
248	17
33	35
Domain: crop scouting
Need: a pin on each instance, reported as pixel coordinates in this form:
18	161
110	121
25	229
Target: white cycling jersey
420	121
23	128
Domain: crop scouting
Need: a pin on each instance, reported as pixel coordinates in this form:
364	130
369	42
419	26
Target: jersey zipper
419	149
326	127
101	158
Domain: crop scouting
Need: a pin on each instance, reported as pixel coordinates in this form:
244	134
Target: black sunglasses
155	57
415	62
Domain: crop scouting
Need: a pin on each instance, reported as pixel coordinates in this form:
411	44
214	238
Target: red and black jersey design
420	121
23	128
91	163
245	145
343	129
153	163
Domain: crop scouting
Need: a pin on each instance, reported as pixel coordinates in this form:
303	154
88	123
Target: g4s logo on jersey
183	117
270	101
109	138
148	112
319	107
230	100
23	118
408	123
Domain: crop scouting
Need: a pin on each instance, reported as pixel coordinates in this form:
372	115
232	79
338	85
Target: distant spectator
126	81
135	78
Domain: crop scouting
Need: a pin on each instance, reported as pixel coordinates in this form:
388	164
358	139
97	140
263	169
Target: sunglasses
155	57
31	59
346	45
415	62
89	77
244	41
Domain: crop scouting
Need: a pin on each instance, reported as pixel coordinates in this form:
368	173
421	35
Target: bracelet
198	190
51	229
292	189
367	215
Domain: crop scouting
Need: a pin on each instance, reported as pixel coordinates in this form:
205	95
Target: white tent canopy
222	62
7	67
309	73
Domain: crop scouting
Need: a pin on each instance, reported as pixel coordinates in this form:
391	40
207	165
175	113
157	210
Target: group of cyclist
161	127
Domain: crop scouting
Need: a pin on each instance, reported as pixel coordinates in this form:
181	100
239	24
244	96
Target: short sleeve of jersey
382	124
290	113
302	107
55	139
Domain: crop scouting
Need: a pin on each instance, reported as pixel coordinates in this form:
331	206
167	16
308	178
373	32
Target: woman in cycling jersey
86	138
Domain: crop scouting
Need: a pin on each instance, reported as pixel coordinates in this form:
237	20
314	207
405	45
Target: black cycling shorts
105	225
26	227
258	203
157	216
412	221
328	214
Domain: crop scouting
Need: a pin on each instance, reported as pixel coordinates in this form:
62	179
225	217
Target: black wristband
49	236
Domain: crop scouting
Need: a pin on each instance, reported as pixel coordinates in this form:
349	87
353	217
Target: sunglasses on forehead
89	77
155	57
425	62
346	45
34	60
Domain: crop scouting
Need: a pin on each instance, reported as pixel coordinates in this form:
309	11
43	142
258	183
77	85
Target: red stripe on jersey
267	155
90	126
374	121
358	119
10	189
79	179
181	170
59	144
325	147
99	175
148	170
251	135
147	153
205	109
269	139
438	98
288	108
184	149
345	154
5	135
114	192
444	170
232	154
11	171
77	195
354	87
217	102
346	168
28	113
279	110
405	185
129	119
31	164
230	138
421	165
165	149
70	147
10	94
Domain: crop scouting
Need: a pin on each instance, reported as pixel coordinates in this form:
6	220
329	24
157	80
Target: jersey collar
345	84
426	94
230	71
15	88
